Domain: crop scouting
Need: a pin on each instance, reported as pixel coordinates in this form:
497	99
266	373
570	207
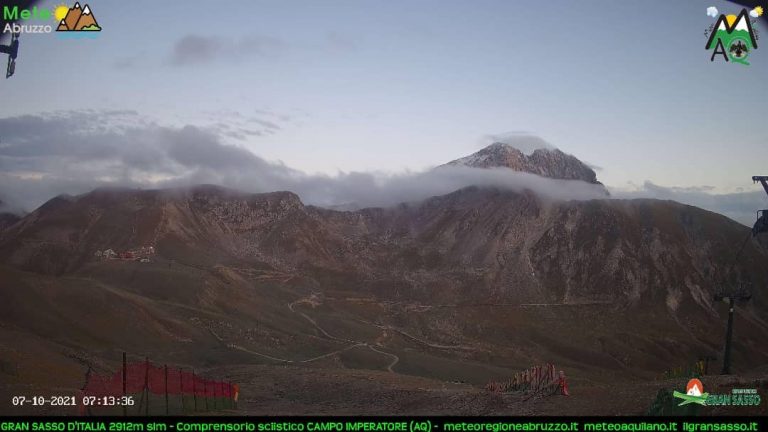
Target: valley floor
325	390
295	351
298	391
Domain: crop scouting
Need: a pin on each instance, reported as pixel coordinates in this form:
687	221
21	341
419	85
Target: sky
353	93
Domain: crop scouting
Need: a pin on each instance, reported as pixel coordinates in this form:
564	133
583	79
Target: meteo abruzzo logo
76	19
732	37
72	20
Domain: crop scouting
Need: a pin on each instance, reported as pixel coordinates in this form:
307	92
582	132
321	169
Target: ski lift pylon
12	50
761	225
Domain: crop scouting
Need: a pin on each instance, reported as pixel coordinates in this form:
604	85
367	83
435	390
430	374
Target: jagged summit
544	161
525	143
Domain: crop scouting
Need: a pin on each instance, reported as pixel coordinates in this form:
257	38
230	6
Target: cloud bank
73	152
740	207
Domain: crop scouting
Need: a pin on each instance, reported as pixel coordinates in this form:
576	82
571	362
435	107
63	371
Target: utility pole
728	339
741	295
125	371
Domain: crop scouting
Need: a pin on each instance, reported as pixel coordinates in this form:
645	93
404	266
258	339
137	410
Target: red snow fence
145	388
543	380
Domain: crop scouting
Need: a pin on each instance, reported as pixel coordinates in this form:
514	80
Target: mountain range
466	287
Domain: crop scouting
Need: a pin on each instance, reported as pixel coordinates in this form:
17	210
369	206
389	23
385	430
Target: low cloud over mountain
73	152
740	207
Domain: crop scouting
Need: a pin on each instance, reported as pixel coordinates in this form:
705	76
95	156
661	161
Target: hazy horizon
358	93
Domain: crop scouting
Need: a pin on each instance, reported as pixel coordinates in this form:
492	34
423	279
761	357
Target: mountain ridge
472	226
552	163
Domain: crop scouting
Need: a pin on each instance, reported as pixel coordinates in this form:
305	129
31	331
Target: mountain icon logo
76	18
732	36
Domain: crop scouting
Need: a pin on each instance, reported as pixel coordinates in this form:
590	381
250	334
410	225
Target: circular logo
694	388
738	48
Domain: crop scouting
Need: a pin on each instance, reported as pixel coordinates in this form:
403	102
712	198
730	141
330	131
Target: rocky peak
546	162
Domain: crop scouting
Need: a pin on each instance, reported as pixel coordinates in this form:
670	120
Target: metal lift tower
12	50
742	291
761	225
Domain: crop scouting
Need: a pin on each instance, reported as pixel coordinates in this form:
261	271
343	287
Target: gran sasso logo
694	393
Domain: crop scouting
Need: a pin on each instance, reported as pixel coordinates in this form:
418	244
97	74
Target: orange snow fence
141	387
537	379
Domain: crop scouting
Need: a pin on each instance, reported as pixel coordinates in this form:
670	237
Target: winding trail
238	347
314	323
243	349
427	343
418	339
394	362
353	343
333	353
